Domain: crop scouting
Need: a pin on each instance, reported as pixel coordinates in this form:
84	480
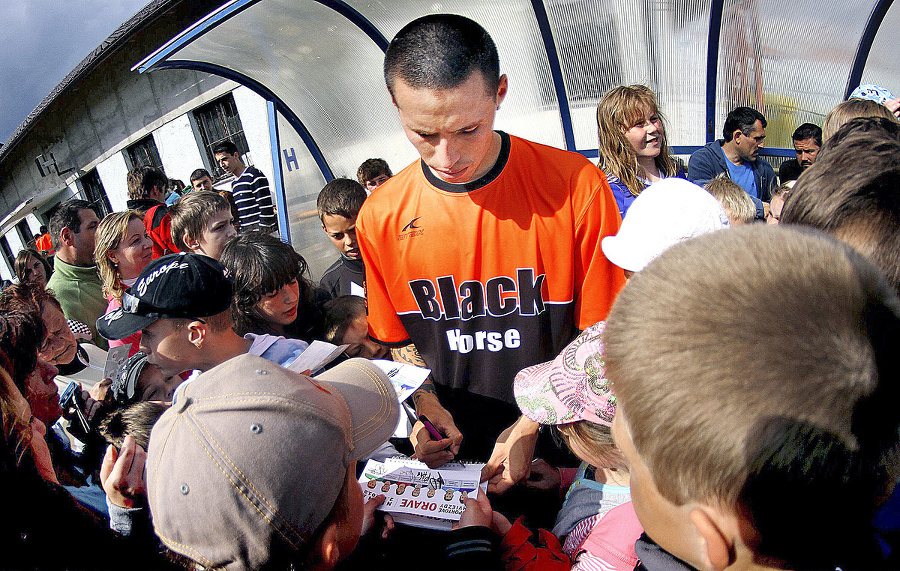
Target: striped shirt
254	201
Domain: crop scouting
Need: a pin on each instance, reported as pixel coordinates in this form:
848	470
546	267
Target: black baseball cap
176	286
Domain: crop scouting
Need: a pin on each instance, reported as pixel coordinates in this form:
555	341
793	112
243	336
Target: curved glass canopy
319	63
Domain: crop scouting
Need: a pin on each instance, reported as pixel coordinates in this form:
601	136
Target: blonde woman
122	249
632	147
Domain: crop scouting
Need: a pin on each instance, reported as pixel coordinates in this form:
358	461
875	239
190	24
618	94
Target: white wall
15	243
254	118
5	272
113	174
33	223
178	149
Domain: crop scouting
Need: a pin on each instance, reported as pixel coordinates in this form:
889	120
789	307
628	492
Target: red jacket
159	227
44	244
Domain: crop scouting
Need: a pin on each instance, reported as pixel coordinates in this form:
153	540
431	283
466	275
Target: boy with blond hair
738	205
202	223
742	462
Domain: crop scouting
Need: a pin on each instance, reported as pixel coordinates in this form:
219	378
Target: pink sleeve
134	339
610	544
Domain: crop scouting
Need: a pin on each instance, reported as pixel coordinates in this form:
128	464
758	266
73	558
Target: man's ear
716	542
737	133
502	88
197	333
327	547
66	236
394	101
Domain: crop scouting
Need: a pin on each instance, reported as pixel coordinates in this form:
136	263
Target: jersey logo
411	230
411	225
498	296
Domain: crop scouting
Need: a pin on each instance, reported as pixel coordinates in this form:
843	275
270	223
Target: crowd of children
734	410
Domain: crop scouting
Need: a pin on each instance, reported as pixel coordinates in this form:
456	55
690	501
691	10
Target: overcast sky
41	41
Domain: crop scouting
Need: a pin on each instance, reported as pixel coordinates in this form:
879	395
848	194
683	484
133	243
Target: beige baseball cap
252	451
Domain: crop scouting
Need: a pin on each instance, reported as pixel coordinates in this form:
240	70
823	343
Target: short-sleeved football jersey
491	276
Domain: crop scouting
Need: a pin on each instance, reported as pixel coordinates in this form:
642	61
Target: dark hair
21	334
807	131
851	192
66	215
23	272
339	315
440	51
258	264
143	180
136	420
743	119
225	147
371	169
857	125
200	173
341	197
27	298
794	465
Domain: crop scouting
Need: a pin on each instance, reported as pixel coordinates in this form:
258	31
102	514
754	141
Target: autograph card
425	495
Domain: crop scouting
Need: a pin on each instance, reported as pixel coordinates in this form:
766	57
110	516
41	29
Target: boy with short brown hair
850	192
338	205
372	173
202	223
743	462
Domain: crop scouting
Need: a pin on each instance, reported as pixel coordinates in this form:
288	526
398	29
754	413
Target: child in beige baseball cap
255	465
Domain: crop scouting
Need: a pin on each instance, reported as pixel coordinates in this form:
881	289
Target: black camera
71	399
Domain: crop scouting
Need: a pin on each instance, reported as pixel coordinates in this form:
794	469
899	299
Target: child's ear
327	547
197	332
716	543
191	243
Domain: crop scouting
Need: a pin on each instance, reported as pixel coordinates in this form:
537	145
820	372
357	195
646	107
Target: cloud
43	40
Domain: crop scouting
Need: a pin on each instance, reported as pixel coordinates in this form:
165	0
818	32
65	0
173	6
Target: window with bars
144	154
93	190
25	233
219	121
7	252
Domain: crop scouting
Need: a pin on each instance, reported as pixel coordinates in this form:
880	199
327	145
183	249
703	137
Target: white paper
406	378
316	356
114	359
